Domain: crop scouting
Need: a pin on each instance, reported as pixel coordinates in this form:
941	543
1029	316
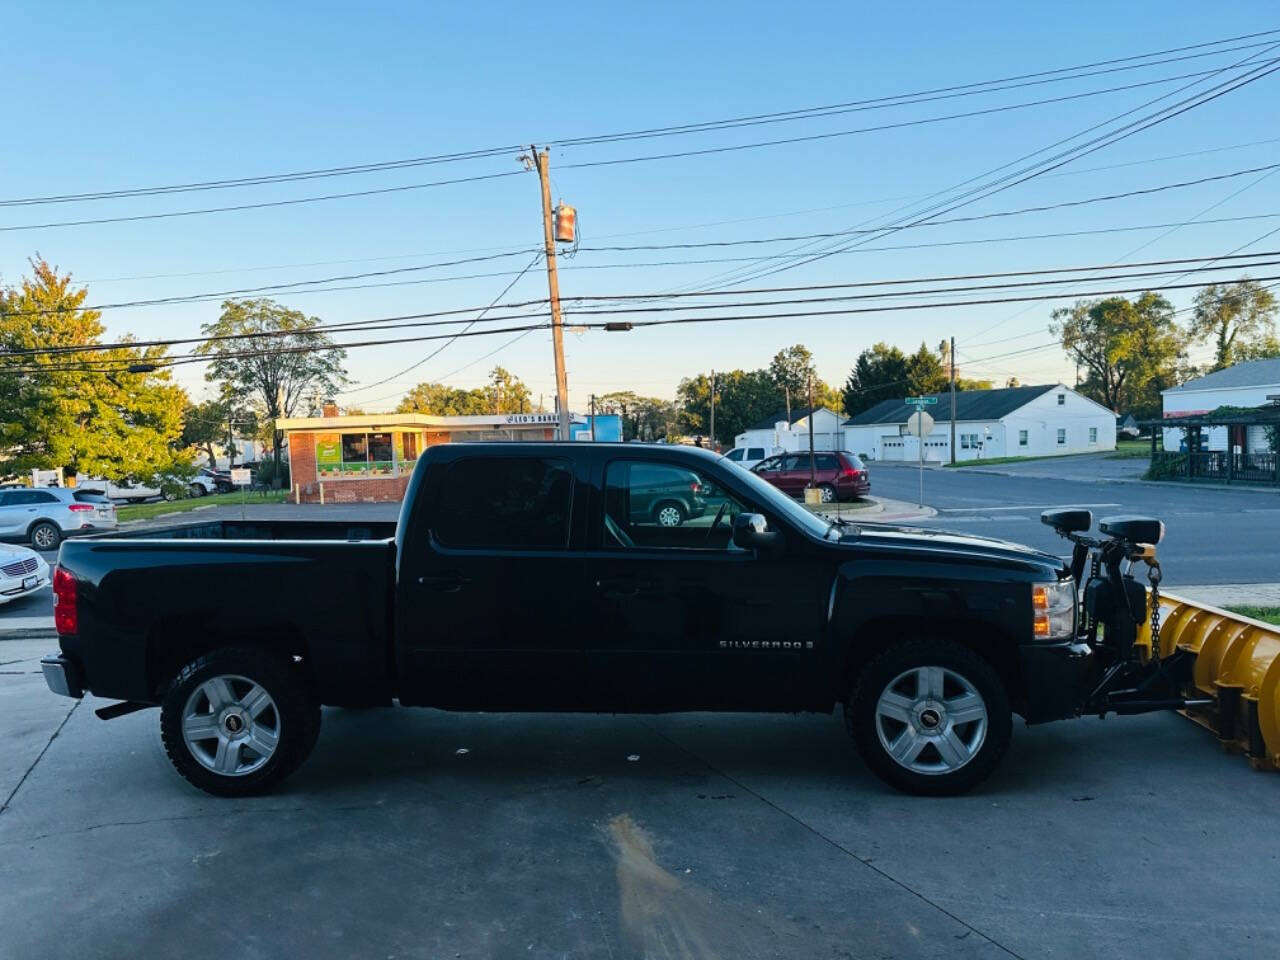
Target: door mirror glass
751	532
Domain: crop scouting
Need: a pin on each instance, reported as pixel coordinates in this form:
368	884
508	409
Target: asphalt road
1212	535
422	834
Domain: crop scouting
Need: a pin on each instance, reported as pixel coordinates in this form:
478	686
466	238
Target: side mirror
751	532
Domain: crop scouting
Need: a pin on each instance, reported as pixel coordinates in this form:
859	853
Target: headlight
1053	606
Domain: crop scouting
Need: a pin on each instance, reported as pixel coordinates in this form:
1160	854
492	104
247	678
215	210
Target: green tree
1234	316
276	373
506	393
879	374
1126	346
790	370
204	425
643	418
925	373
742	398
444	401
1262	348
107	421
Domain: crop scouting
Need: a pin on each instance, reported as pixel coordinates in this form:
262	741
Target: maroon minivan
840	475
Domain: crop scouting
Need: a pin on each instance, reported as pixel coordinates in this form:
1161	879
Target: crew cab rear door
490	571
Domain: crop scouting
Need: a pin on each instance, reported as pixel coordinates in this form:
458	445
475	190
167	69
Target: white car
197	486
748	457
22	571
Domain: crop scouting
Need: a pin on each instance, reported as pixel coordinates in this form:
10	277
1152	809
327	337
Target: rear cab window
755	453
735	455
496	503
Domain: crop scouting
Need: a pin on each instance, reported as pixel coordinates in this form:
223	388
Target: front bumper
1057	677
62	675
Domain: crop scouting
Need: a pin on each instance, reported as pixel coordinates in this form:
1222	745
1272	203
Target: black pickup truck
552	577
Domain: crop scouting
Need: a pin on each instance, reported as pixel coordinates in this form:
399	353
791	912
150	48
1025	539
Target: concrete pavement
422	834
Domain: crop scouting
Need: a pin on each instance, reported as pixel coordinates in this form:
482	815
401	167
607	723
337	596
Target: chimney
330	409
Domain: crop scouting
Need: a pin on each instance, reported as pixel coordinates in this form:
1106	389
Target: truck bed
265	530
323	590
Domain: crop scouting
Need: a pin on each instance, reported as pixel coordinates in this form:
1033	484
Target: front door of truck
682	618
489	613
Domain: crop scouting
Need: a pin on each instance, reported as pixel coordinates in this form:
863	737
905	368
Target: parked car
44	516
517	578
22	571
747	457
196	486
665	495
839	475
220	479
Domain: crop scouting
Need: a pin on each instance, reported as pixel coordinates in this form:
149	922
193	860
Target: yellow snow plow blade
1237	662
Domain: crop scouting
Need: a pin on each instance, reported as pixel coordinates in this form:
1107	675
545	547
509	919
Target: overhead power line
1044	277
951	201
1209	48
603	163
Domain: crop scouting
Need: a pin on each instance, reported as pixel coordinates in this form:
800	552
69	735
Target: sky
122	95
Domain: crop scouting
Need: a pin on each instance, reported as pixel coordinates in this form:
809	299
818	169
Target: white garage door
892	447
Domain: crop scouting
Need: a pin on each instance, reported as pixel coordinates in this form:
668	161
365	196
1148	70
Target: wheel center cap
929	718
234	723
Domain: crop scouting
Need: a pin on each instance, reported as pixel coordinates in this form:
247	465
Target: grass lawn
991	460
1132	450
1266	614
144	511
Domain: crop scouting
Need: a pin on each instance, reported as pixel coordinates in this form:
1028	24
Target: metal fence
1215	466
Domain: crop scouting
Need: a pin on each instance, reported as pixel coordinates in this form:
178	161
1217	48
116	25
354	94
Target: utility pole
953	402
593	418
786	392
713	410
543	163
813	473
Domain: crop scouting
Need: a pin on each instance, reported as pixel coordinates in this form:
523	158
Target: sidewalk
1231	594
877	510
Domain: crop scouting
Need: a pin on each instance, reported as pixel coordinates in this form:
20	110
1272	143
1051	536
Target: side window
42	496
755	453
735	455
795	462
20	498
825	461
650	505
517	503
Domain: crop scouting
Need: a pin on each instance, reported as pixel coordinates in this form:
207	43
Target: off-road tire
298	710
878	674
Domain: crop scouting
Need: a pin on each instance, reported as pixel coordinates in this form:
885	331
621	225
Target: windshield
775	499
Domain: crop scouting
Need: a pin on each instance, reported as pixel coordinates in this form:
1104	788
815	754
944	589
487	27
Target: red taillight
695	487
66	616
81	507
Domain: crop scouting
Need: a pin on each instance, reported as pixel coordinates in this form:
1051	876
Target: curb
30	633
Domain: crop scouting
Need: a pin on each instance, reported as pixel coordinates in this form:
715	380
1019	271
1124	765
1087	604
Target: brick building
337	459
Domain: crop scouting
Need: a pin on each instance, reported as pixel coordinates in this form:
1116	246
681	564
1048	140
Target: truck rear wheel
238	721
930	717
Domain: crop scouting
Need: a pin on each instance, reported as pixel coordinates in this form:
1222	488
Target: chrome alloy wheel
931	720
231	725
669	516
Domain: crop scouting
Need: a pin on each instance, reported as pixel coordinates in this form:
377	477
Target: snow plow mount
1158	651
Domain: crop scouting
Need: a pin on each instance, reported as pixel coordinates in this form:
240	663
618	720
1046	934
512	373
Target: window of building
516	503
1093	434
1062	399
1062	436
970	441
353	455
1022	438
652	505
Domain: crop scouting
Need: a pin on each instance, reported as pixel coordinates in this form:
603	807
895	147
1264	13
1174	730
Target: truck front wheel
930	717
238	721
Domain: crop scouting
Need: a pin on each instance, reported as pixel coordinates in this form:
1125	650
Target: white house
1012	422
777	432
1243	385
